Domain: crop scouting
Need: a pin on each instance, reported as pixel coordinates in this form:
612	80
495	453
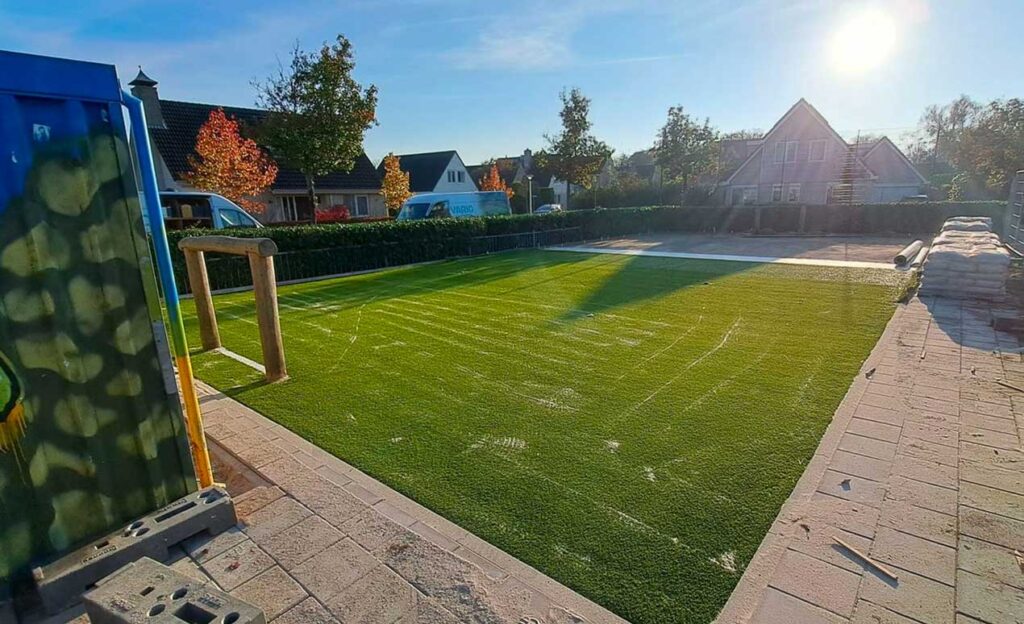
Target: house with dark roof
434	172
803	160
173	127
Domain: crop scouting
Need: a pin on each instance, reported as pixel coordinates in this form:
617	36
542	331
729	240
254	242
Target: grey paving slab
912	596
279	515
921	494
992	500
379	597
988	600
330	571
780	608
309	611
273	590
915	554
925	471
870	613
300	542
991	561
237	565
817	582
991	527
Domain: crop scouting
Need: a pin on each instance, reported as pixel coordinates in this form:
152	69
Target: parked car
548	208
206	210
455	205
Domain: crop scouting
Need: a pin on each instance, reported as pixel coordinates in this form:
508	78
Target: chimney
144	88
528	159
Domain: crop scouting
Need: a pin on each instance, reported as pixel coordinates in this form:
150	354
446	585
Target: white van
203	210
456	205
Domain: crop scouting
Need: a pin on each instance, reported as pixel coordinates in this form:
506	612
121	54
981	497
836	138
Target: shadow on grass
429	278
644	278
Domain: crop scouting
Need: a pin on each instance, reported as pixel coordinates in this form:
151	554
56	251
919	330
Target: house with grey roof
803	160
434	172
173	127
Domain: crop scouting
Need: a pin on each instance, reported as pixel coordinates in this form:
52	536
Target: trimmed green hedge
314	250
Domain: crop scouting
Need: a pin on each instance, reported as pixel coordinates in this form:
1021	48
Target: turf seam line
855	264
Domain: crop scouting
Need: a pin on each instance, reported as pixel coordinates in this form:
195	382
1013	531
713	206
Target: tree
574	155
318	112
981	146
395	186
685	147
492	181
229	164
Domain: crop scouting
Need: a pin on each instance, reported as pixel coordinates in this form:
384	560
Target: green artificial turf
628	425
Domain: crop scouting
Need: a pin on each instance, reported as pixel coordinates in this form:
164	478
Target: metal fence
1015	214
228	272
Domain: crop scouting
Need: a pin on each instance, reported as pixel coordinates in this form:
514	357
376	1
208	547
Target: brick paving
320	542
922	470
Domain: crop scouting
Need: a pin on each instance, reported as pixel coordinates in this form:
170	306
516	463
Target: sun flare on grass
863	41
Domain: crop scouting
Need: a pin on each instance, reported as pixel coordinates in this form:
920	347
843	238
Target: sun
863	41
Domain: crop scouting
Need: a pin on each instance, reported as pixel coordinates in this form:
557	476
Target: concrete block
148	591
62	582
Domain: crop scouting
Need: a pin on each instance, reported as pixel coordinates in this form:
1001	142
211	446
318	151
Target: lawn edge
745	597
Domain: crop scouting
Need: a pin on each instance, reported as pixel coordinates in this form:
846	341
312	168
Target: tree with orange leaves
395	186
229	164
492	181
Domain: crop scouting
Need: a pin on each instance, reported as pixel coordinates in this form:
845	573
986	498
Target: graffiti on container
12	413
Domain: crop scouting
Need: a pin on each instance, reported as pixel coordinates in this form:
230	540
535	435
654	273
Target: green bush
326	249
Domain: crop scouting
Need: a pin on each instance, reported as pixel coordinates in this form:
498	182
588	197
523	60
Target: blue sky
484	78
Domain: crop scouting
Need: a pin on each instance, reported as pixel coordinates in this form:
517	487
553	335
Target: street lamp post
529	179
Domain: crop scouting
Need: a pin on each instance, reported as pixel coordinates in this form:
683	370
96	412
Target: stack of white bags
966	261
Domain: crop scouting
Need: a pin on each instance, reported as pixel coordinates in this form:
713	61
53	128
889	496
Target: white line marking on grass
852	264
660	351
512	390
241	358
705	355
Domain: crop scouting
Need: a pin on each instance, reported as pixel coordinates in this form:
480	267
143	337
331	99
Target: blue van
455	205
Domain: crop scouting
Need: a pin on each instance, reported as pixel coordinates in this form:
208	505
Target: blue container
91	431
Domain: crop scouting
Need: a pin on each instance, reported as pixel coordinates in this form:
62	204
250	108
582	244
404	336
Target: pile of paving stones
966	261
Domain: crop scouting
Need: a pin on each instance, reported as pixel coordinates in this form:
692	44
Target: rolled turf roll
908	253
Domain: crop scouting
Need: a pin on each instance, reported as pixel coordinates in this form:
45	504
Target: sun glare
863	41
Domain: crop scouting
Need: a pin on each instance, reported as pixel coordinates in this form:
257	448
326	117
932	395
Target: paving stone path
922	471
320	542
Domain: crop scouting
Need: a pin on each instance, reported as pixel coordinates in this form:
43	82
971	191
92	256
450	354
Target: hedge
315	250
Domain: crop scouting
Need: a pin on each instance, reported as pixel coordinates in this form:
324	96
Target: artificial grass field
628	425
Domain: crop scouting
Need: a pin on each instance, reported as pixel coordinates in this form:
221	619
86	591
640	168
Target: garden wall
317	250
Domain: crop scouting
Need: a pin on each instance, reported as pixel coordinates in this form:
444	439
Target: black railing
228	272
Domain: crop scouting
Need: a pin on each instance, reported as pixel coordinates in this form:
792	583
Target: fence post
803	217
757	219
199	281
264	287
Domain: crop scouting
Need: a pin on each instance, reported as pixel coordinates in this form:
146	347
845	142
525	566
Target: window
296	208
462	177
361	206
233	218
793	194
776	193
780	152
817	150
791	148
451	176
749	195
